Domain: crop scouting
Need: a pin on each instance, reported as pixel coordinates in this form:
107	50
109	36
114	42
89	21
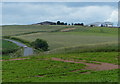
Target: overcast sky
86	12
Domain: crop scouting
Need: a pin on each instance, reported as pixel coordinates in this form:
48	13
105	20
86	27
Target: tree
65	23
40	44
102	25
62	23
82	24
58	22
72	24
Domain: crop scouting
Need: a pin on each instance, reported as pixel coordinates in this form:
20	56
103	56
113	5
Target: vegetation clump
8	47
40	44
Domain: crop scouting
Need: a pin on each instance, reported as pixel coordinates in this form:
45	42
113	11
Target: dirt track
67	29
91	66
15	59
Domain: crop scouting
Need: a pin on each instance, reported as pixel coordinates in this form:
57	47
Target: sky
23	13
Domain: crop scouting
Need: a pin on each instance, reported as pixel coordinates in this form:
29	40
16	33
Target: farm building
45	23
103	24
108	24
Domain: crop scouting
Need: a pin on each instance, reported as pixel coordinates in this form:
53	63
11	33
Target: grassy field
23	29
88	44
57	39
70	39
43	69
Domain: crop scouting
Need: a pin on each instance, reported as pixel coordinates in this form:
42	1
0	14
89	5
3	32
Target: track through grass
43	69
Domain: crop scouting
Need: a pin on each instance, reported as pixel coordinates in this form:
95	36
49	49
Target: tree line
64	23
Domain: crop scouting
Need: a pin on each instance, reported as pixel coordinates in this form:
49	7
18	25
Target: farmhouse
46	23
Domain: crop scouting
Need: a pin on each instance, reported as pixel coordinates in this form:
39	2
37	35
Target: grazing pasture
70	39
44	69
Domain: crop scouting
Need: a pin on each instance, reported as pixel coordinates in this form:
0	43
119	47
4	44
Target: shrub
40	44
7	37
7	51
8	47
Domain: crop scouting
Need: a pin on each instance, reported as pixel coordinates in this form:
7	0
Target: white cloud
113	17
92	13
25	13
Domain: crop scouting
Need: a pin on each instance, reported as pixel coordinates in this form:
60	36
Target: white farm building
101	24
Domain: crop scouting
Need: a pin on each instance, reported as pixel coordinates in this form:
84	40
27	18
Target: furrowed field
76	54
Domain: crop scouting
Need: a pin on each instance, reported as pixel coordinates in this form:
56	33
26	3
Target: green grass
103	47
107	57
8	44
84	43
27	29
78	37
56	71
71	39
8	47
97	30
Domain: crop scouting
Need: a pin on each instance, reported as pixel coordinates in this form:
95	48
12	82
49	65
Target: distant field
71	39
97	30
78	36
21	29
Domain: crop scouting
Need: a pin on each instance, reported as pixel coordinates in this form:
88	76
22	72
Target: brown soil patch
91	66
67	29
15	59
